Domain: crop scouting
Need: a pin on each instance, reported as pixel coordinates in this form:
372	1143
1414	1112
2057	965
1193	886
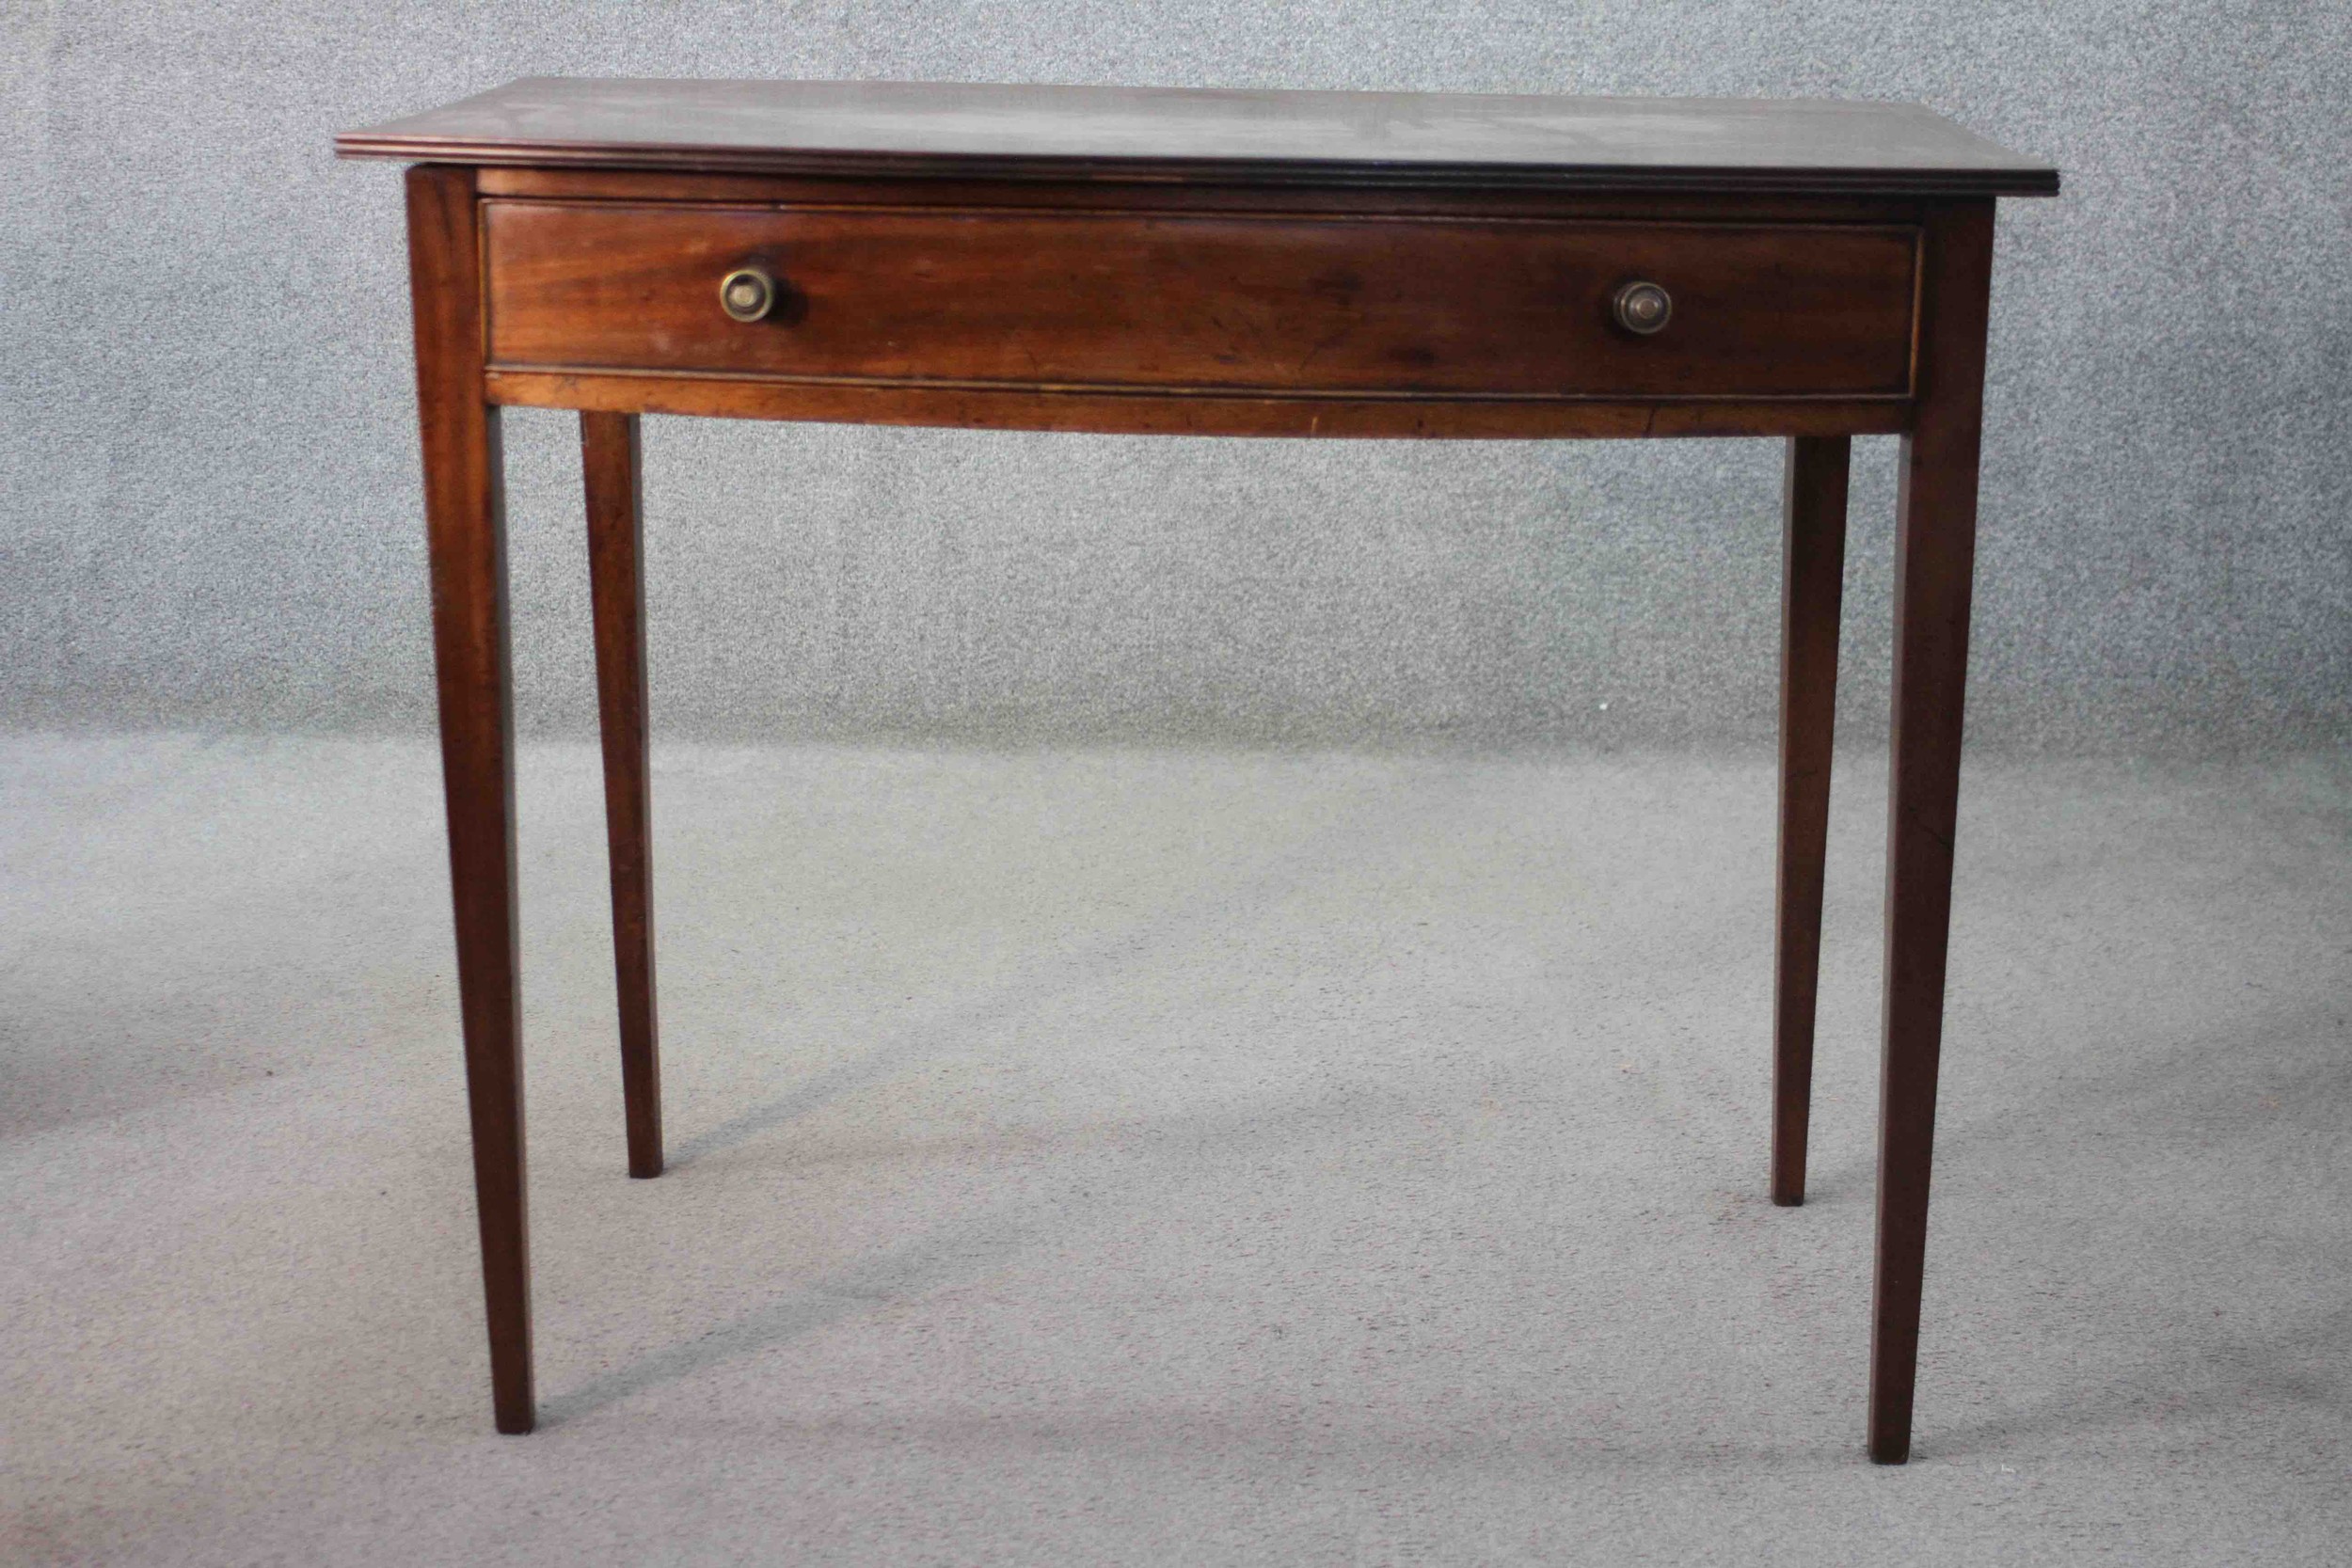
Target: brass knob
747	294
1643	308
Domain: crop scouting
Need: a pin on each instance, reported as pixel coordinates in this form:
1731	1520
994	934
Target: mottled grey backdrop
208	474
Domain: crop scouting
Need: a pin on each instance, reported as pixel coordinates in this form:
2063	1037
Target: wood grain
466	528
1302	306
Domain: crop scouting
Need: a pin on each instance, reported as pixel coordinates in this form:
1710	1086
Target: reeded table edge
1227	172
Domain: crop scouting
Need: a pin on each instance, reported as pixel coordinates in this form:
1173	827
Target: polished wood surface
1197	414
1936	535
465	513
1277	303
612	471
1312	264
902	129
968	189
1812	594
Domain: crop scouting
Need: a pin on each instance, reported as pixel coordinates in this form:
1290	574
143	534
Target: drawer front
1313	305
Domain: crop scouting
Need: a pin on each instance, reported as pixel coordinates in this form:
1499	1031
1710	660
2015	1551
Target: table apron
1190	308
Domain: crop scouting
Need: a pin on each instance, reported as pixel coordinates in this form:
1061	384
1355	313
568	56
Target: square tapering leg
466	528
612	464
1935	560
1812	589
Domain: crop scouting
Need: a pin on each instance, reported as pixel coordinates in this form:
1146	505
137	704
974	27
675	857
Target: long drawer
1289	304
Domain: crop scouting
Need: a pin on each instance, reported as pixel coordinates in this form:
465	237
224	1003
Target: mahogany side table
1193	262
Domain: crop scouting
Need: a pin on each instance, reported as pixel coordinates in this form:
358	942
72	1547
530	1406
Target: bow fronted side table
1197	262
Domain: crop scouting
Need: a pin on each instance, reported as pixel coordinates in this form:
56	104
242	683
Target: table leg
1812	584
466	529
1935	557
611	461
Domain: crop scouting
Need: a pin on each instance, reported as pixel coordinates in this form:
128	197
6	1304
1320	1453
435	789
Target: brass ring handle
1643	308
747	294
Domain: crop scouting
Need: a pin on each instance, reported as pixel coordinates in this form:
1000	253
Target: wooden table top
977	131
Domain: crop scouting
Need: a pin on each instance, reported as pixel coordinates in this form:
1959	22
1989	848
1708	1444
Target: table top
978	131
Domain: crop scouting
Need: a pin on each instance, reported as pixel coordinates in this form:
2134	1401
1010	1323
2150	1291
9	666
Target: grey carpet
1153	1156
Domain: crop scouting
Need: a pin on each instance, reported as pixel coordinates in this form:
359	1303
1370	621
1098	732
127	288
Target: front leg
466	528
1935	557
